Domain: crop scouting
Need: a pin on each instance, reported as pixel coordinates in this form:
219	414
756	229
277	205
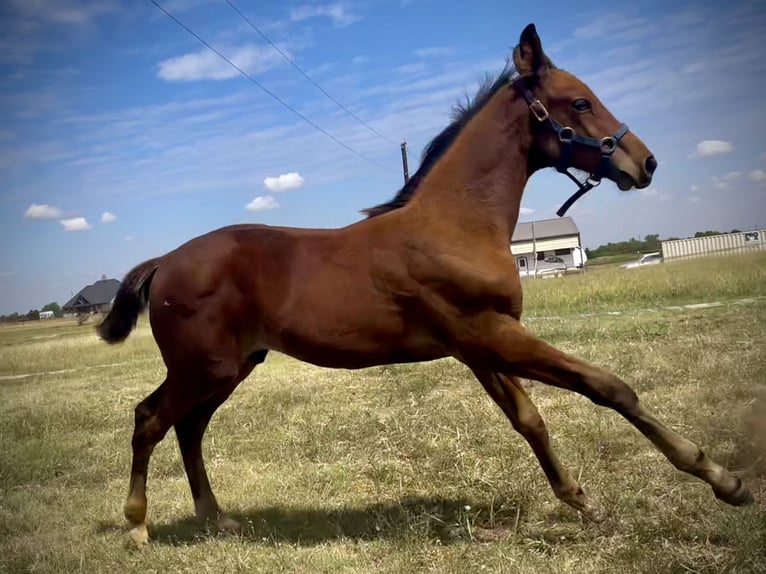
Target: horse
426	275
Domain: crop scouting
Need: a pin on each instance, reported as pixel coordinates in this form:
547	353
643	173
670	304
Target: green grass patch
671	283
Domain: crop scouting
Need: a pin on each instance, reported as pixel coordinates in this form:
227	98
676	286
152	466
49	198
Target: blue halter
569	138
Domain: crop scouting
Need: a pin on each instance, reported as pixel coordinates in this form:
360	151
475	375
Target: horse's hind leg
169	403
509	395
189	432
153	417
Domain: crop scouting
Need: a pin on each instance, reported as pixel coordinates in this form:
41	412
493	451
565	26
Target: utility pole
404	161
534	248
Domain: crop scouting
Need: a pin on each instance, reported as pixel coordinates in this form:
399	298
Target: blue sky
121	136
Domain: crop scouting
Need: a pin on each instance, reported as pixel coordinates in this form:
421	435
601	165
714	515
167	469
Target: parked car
645	259
555	259
558	269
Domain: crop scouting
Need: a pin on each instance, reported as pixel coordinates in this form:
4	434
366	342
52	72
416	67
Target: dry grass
400	468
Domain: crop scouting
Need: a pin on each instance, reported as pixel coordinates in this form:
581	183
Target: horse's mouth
626	182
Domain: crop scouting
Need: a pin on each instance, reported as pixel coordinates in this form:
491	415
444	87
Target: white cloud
757	175
713	147
694	199
433	52
615	24
657	194
413	68
205	65
75	224
526	211
284	182
720	183
108	217
693	187
262	203
66	11
128	238
43	211
336	12
732	175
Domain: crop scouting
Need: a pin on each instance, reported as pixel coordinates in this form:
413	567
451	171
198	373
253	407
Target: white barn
547	246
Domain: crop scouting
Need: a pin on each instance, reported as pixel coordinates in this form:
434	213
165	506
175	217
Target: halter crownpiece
568	138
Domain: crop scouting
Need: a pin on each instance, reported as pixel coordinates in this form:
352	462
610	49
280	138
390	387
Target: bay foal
429	274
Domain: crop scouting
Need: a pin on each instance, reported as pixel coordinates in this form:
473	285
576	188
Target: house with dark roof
95	298
544	247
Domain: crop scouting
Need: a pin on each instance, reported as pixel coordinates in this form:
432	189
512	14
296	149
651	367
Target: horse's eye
581	105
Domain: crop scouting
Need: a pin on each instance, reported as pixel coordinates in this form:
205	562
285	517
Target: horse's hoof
738	497
228	525
589	509
139	536
593	512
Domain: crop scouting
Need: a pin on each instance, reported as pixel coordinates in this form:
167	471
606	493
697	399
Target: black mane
461	115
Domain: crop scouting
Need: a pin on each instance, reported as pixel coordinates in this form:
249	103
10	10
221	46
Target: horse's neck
478	183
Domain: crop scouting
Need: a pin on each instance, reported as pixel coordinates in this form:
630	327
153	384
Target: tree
33	315
57	312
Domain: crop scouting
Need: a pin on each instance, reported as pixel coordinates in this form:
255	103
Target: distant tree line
32	314
651	242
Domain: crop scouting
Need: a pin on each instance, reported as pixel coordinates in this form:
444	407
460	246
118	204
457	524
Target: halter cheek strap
569	138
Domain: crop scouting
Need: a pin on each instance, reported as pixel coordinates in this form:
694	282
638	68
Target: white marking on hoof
139	535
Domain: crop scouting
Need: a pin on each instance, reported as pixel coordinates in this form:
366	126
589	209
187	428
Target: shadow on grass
447	520
749	456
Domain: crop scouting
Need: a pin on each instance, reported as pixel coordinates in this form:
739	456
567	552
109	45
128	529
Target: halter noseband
568	138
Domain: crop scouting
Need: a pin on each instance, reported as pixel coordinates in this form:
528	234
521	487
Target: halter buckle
539	110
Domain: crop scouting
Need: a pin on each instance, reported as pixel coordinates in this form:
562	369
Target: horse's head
572	128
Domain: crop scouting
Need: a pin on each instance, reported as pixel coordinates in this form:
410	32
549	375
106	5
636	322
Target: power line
309	78
269	92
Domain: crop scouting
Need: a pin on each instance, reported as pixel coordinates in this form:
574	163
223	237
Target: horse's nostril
650	165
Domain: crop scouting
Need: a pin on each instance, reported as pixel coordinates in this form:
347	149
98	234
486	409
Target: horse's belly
354	348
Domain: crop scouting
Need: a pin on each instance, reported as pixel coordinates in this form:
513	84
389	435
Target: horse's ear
528	56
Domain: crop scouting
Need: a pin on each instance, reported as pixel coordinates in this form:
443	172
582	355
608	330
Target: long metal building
714	244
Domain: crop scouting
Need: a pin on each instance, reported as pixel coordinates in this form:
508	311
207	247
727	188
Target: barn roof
545	229
99	293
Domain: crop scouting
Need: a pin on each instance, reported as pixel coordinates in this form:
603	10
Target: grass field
406	468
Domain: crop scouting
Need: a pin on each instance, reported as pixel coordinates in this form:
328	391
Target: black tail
131	299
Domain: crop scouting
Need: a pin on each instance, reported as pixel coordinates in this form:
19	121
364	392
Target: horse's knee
610	391
529	423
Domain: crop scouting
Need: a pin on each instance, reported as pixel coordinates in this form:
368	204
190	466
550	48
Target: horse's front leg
509	395
498	343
